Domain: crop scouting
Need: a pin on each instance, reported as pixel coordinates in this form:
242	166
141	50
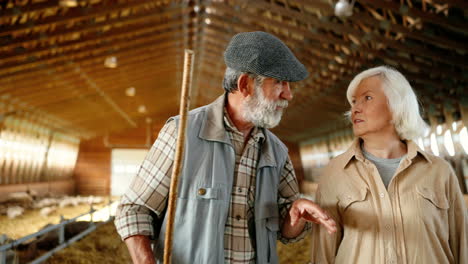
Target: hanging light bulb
439	130
343	8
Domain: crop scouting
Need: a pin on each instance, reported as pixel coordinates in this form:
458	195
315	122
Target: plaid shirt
149	190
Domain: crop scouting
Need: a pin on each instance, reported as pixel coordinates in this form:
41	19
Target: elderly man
238	192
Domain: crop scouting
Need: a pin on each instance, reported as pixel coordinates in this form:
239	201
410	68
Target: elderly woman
392	202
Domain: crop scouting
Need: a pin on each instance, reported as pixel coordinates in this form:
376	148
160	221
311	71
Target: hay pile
104	246
295	253
101	246
32	221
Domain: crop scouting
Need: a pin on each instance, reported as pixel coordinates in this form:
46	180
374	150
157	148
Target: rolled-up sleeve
147	194
288	192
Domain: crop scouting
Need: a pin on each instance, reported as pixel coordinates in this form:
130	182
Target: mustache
282	103
273	105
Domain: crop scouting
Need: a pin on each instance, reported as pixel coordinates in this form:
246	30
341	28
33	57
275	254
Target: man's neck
387	146
234	110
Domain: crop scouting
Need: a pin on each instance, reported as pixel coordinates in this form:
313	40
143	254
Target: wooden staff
184	105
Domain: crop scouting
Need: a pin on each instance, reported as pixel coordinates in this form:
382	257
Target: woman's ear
243	85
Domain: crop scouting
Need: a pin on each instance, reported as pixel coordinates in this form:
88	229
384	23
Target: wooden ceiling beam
94	62
81	89
77	115
28	8
95	50
101	55
65	99
70	77
107	82
417	50
361	17
57	34
255	20
74	15
402	9
111	36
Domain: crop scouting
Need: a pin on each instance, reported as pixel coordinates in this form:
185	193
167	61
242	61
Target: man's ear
243	85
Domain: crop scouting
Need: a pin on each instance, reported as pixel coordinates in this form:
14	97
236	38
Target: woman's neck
384	146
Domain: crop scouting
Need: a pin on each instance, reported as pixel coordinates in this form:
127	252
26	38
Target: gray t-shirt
386	167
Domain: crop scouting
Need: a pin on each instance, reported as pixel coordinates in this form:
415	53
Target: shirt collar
354	151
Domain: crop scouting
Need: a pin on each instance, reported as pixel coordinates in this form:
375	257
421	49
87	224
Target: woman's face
370	113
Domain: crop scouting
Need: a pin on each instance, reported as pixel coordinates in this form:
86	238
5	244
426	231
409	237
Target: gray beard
262	112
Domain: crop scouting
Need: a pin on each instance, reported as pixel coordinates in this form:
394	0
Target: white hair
401	99
232	75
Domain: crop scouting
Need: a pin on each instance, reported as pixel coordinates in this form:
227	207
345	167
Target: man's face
264	107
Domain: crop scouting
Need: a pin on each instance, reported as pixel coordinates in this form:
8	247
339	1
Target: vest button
202	191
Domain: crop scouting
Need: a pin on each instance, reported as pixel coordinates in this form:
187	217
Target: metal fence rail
61	237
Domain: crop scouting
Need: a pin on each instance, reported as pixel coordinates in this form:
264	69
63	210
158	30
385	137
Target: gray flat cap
263	54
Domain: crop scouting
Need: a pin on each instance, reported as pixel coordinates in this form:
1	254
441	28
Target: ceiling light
142	109
196	9
207	21
343	8
111	62
130	91
68	3
439	130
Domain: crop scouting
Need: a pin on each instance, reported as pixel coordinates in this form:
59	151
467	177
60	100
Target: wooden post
184	106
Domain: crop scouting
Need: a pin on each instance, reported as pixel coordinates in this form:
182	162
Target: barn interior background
85	86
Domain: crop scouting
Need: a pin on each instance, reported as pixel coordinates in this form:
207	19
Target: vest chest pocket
207	193
200	192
